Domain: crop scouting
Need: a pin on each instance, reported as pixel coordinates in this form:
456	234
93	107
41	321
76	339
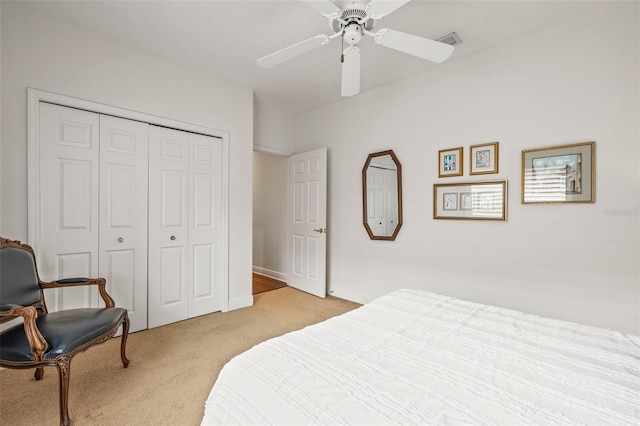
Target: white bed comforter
413	357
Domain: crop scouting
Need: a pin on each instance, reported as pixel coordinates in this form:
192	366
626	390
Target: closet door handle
120	240
172	238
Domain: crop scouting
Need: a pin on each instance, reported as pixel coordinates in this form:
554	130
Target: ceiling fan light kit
351	20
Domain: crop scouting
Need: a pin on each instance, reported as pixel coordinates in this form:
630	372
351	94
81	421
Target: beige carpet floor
172	367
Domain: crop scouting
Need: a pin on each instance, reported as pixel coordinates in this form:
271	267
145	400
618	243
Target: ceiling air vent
452	39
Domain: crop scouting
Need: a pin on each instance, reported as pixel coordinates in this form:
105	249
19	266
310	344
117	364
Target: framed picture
450	162
483	158
559	174
471	200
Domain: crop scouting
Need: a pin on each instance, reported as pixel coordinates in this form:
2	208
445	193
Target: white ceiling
225	38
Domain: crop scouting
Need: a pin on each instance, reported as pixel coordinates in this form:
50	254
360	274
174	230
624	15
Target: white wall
274	128
41	53
270	215
574	82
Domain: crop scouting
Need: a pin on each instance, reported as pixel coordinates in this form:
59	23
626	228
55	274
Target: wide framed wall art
483	159
471	200
450	162
559	174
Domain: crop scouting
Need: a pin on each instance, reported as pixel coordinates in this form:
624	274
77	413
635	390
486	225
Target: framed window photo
559	174
450	162
471	200
483	158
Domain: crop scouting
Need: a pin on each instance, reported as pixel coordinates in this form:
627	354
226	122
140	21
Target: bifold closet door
123	214
93	207
137	204
205	224
68	202
184	225
168	227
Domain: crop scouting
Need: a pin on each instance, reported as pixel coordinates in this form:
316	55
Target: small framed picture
471	200
450	162
483	158
559	174
450	201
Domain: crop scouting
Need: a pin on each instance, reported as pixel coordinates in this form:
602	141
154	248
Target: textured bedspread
413	357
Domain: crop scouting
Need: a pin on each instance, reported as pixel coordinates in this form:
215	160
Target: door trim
35	96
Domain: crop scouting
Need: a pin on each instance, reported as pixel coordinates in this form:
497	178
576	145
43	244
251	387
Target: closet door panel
168	226
119	268
71	265
203	272
123	214
68	204
205	193
173	261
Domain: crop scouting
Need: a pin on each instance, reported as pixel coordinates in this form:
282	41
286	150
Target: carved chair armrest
37	342
8	312
73	282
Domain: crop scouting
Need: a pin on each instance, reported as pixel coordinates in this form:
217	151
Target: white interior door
168	226
307	245
123	214
205	224
68	205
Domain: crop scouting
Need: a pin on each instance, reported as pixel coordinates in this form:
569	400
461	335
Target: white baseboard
280	276
350	295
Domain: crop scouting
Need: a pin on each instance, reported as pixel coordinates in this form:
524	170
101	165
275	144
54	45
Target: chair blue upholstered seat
65	331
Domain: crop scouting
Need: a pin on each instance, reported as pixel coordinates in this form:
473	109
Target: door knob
120	240
173	237
321	230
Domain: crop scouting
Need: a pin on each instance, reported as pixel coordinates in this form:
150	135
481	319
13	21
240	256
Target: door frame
35	96
278	275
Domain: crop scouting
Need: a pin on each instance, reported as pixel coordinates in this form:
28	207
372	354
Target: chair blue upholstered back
18	277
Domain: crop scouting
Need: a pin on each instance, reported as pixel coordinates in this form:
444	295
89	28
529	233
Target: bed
417	358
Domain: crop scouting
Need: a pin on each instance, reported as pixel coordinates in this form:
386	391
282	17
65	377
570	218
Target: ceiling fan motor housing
352	33
352	22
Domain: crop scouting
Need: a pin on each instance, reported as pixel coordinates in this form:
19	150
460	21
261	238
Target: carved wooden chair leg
123	342
39	374
64	366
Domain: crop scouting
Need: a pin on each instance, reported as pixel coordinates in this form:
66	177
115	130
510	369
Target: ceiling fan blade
325	7
424	48
378	9
351	71
292	51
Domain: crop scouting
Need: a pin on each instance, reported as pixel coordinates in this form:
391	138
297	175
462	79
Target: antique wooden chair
45	338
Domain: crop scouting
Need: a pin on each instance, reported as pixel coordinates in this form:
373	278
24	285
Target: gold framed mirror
382	195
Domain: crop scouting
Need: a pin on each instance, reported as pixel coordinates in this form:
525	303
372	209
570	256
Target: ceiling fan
351	20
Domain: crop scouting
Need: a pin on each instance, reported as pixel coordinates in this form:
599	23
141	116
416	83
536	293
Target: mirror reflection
382	195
